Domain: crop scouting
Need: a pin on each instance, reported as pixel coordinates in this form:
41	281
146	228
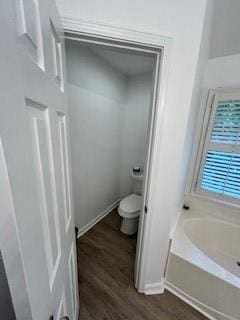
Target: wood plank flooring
106	265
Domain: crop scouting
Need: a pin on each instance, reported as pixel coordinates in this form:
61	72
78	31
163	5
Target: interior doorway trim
151	43
119	33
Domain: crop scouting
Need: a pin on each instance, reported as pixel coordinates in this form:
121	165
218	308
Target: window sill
221	203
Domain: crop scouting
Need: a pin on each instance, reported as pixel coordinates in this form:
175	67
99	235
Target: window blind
227	123
220	172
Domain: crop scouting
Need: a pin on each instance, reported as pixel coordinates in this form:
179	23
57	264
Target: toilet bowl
129	209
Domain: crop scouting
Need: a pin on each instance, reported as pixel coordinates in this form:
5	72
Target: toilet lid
131	204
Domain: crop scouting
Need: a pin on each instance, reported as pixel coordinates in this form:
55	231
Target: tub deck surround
205	247
216	209
106	266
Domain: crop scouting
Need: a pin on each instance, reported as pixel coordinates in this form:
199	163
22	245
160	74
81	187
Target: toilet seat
130	206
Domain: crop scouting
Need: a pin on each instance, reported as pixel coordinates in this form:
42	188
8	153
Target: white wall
225	28
183	21
222	72
96	93
87	70
194	111
134	128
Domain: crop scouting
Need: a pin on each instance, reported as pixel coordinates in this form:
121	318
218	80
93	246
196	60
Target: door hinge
145	209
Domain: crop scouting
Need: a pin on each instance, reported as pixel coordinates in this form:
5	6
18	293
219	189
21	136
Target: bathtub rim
184	247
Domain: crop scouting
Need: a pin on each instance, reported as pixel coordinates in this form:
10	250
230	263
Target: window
219	171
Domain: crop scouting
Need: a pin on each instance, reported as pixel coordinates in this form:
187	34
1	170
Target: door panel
66	185
72	281
44	166
35	140
62	308
57	56
29	28
11	250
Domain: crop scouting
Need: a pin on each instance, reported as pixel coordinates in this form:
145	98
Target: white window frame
212	103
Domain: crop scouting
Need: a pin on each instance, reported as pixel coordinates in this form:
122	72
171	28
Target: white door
37	237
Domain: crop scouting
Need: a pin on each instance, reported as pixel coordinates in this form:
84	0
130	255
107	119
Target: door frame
161	46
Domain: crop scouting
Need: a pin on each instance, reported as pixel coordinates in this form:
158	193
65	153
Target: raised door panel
10	250
57	55
45	176
72	282
65	171
29	29
62	308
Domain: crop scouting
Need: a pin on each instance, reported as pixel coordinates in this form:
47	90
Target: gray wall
225	38
134	127
108	127
96	92
6	306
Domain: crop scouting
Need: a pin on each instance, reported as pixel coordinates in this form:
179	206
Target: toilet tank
137	183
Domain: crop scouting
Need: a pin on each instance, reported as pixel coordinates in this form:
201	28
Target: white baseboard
154	288
206	310
97	219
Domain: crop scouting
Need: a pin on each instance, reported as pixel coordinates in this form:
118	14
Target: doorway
149	62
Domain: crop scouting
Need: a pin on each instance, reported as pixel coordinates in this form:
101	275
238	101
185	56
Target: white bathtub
219	240
202	267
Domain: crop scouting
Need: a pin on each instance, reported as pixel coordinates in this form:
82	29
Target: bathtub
203	264
218	239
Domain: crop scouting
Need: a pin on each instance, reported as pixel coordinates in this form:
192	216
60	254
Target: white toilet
129	207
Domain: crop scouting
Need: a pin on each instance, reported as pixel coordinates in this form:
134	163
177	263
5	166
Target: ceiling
126	61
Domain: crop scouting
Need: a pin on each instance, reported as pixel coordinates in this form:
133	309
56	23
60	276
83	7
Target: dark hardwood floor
106	265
